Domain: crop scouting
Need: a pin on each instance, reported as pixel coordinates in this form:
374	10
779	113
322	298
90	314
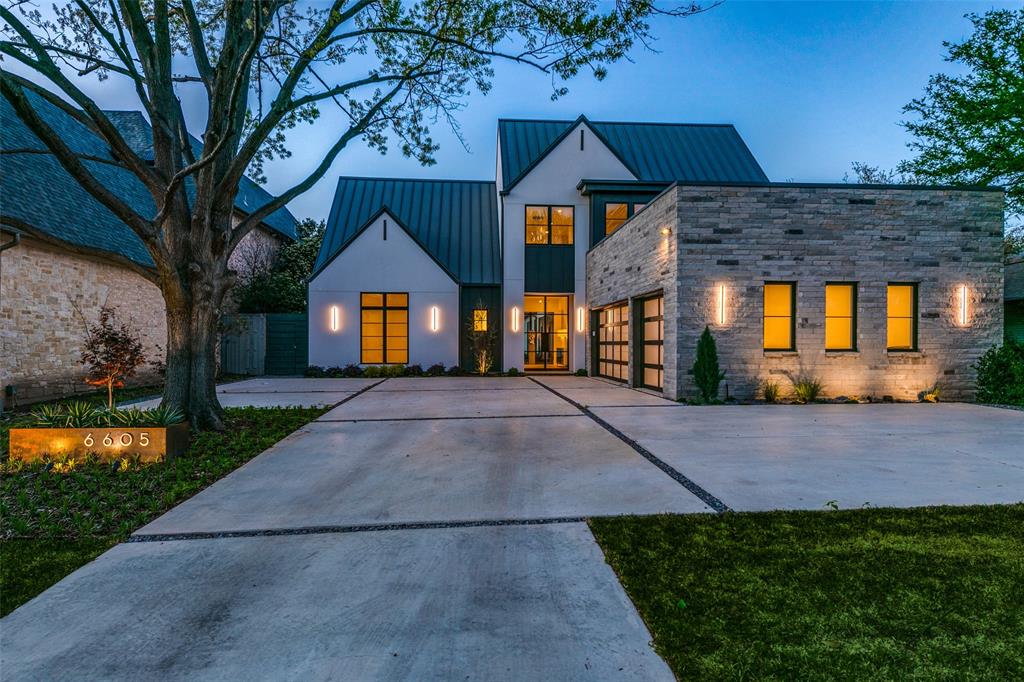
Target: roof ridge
382	178
630	123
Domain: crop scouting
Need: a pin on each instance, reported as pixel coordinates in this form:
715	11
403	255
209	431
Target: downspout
3	247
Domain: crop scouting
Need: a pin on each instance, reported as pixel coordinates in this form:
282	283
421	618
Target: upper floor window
779	316
615	214
901	317
549	224
840	316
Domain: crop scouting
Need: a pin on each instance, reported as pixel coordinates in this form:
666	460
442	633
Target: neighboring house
75	255
610	246
1013	295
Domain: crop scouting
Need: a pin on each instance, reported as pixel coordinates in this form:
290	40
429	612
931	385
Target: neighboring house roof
653	152
454	221
1013	281
39	195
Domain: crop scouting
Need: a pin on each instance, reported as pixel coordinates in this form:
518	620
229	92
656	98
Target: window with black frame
549	225
384	328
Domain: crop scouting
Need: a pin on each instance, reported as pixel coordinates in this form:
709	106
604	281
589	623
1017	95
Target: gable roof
652	152
454	221
40	196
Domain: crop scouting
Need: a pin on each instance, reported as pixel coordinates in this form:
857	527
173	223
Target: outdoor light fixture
515	319
963	305
721	304
666	231
335	318
435	314
581	319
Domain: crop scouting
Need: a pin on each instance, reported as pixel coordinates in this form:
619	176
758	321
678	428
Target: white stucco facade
372	263
553	181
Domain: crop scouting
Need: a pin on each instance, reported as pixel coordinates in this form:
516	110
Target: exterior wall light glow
963	305
721	304
335	318
515	319
666	231
581	319
435	318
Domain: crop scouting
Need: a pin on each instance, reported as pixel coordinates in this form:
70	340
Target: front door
546	327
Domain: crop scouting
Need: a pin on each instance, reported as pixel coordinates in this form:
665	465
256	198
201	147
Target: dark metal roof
653	152
455	221
1013	283
39	195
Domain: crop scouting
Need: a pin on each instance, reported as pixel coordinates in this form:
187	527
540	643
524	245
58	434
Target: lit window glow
840	304
480	319
778	316
901	317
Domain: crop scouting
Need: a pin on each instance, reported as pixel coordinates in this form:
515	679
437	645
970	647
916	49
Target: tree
706	373
262	67
276	282
969	129
876	175
482	336
112	351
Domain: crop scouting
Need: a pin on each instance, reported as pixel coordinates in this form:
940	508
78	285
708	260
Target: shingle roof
455	221
38	194
653	152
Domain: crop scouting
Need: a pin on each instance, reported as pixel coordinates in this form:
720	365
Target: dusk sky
810	87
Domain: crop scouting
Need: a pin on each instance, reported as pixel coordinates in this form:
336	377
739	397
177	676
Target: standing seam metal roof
455	221
653	152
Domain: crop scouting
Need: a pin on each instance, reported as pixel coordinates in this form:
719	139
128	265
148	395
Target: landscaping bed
51	523
926	593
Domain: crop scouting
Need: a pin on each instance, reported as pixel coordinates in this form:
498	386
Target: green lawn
927	594
50	524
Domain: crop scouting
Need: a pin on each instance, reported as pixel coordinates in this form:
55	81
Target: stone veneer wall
634	261
40	329
741	237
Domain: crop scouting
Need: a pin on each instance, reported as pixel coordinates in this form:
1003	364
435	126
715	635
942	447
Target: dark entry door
613	342
287	344
651	327
546	327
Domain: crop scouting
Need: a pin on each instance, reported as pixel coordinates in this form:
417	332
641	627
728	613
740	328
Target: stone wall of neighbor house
943	239
730	240
636	260
46	295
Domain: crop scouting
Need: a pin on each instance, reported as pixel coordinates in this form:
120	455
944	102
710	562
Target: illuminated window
779	316
614	216
841	316
549	224
384	328
479	319
902	317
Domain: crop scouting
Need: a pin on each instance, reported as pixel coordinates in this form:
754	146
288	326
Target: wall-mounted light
515	319
435	318
721	304
963	305
335	318
581	320
666	231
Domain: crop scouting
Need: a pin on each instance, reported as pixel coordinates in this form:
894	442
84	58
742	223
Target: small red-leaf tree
113	352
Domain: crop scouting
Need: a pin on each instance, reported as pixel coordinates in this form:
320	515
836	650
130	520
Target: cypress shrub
706	373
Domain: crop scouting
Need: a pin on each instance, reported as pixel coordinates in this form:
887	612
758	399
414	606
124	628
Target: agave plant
49	415
133	416
80	414
163	416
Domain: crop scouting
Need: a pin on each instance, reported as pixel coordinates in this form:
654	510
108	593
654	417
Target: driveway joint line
354	528
431	419
354	395
706	497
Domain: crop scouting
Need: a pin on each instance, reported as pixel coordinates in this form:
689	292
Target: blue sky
810	87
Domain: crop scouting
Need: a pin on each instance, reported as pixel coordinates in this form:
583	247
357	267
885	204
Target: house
1014	300
609	246
74	255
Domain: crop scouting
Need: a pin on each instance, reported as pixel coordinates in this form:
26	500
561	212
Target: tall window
841	316
902	317
779	316
549	224
480	319
615	214
384	328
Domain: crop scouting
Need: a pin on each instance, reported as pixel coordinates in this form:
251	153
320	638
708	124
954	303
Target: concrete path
431	528
279	392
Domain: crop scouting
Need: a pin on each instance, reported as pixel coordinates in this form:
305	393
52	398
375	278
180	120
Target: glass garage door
613	342
652	335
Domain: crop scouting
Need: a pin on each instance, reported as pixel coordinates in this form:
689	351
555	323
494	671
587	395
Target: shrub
770	391
930	395
456	371
807	389
1001	374
81	415
435	370
373	371
581	372
706	373
315	372
414	371
513	372
392	371
351	371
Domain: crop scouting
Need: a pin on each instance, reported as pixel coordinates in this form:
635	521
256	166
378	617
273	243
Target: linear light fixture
335	318
581	319
963	305
721	304
435	318
515	319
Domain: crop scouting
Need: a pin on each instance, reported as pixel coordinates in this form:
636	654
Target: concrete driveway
433	529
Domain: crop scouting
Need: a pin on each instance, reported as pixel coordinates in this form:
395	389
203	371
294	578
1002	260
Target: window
479	319
779	317
840	316
549	224
902	317
652	336
384	328
615	214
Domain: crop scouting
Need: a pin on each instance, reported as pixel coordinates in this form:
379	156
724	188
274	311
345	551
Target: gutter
11	244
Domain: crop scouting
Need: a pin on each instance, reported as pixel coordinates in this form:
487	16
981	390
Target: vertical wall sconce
335	318
435	318
581	320
963	305
515	319
721	304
